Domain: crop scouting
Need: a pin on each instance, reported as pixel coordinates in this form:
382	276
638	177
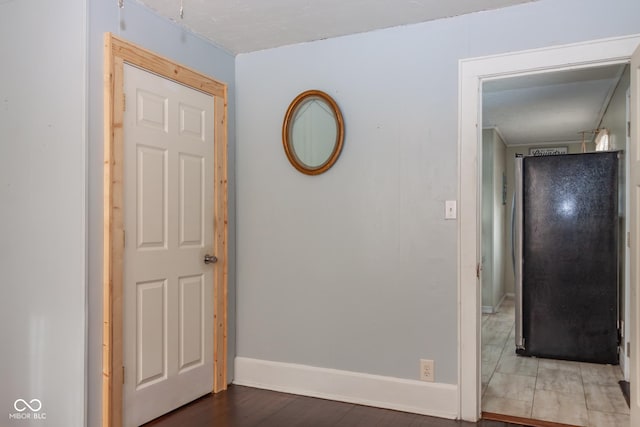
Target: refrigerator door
516	249
570	261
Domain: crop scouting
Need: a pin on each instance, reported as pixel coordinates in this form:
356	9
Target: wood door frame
472	73
117	52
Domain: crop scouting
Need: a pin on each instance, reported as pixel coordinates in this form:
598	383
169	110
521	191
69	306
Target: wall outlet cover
427	372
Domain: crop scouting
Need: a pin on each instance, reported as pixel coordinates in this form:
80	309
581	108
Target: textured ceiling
249	25
549	107
537	109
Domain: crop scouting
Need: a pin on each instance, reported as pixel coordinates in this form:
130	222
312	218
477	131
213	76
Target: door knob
210	259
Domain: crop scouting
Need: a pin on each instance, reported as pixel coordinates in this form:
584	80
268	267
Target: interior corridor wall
500	248
494	248
488	303
43	147
356	269
615	121
140	25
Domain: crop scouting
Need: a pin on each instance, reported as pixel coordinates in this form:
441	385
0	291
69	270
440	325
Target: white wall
488	302
615	116
615	120
139	25
356	269
43	148
500	249
494	254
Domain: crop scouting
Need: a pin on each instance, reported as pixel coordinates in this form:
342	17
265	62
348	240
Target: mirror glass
313	132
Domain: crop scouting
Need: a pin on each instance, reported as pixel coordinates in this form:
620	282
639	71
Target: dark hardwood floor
248	407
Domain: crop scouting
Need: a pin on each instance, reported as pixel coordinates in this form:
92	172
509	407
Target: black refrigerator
565	232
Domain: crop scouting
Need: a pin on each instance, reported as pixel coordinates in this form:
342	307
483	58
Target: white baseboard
488	309
501	301
435	399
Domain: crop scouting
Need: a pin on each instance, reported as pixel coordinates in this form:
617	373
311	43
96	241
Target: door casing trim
472	73
116	52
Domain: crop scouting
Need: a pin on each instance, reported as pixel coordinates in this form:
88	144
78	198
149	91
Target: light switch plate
450	209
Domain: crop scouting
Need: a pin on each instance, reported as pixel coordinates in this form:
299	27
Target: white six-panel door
168	223
634	251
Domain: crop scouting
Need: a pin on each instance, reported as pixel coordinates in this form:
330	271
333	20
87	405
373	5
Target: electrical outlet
426	370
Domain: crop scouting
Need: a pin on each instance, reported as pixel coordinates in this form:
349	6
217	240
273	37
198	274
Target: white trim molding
472	72
435	399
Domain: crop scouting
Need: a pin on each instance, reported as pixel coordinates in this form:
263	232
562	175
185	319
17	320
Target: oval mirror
313	132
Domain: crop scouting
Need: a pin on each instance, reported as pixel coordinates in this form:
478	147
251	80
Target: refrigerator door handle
516	249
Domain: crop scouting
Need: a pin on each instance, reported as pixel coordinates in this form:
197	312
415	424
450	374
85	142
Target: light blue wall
43	147
356	269
137	24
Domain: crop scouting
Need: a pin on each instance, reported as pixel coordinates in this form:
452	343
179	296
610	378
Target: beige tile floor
581	394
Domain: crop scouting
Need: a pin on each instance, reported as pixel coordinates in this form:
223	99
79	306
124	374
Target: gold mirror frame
288	125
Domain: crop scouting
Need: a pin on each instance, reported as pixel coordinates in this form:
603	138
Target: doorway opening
547	114
473	72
